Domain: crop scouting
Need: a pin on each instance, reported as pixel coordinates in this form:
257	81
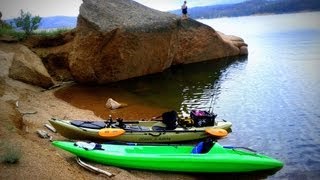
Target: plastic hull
66	129
174	158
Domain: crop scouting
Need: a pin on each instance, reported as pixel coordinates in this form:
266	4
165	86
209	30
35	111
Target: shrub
11	153
26	22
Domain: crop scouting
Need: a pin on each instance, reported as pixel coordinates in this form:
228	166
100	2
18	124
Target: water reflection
185	87
181	88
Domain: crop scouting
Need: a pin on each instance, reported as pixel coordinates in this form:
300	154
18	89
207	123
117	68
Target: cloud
162	5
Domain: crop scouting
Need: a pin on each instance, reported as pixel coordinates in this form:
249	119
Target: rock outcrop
121	39
236	41
5	62
117	40
198	42
54	52
25	65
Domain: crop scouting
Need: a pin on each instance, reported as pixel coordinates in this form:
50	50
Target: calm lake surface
272	97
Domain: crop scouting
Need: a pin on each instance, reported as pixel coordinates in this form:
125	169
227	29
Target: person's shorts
184	11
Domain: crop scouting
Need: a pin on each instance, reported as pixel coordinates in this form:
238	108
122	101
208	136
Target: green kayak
139	131
178	158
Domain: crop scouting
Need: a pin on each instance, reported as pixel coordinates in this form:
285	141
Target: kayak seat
89	124
88	145
158	128
203	147
136	128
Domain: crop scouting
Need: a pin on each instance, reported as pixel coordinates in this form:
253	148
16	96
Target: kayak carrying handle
154	135
239	147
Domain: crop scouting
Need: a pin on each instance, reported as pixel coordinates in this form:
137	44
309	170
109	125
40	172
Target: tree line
252	7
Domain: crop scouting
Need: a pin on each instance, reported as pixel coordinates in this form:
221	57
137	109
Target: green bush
11	153
26	22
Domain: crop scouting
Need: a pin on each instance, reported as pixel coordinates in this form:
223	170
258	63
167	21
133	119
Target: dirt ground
24	109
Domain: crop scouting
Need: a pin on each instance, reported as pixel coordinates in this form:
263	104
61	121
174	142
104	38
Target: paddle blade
217	132
111	132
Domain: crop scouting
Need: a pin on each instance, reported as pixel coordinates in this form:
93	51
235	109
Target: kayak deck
144	133
174	158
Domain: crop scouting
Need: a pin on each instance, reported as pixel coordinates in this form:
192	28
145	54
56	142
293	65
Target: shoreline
38	158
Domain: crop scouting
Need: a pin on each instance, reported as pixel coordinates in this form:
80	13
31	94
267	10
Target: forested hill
252	7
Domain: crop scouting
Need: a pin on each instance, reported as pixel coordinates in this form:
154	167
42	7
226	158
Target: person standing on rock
1	20
184	9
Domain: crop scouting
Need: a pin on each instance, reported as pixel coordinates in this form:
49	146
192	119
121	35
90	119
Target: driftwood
57	85
92	168
25	113
54	86
50	128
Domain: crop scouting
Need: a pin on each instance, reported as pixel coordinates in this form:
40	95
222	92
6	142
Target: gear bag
202	118
170	119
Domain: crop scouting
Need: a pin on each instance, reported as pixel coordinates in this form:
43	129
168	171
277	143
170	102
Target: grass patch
20	35
10	153
51	33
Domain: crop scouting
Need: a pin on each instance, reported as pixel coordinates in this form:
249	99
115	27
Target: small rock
43	134
112	104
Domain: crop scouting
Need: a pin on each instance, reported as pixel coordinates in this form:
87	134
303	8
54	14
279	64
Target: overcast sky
44	8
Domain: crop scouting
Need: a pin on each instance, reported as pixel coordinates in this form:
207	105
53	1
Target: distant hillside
54	22
58	22
252	7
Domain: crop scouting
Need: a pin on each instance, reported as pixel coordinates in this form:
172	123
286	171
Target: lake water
272	97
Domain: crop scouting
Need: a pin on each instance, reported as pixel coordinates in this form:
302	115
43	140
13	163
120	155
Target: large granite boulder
5	62
121	39
28	67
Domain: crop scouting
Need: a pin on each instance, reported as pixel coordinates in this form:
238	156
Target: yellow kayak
134	131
